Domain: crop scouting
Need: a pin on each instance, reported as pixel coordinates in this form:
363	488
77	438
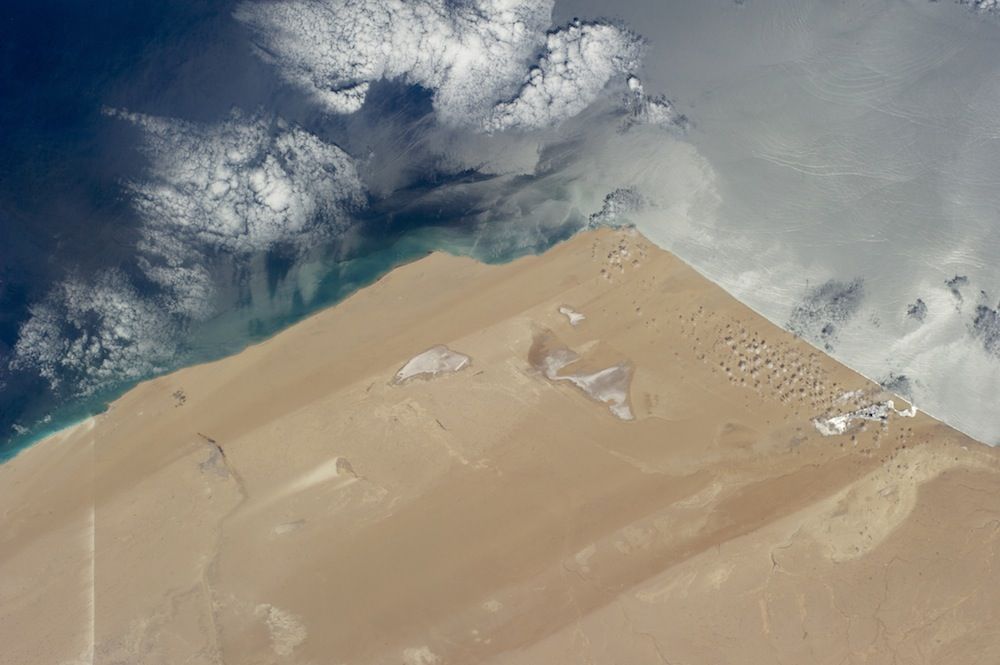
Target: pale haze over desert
443	332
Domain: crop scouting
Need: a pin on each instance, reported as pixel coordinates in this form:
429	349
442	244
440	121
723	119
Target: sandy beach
590	456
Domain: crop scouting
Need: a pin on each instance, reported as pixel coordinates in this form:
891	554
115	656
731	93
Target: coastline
423	248
349	276
291	503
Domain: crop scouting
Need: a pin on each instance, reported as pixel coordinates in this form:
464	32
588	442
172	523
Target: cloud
216	192
215	196
491	64
983	5
650	109
824	309
91	333
576	65
616	208
243	184
917	310
240	186
986	326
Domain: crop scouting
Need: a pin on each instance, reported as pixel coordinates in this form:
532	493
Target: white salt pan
575	318
609	385
878	412
432	362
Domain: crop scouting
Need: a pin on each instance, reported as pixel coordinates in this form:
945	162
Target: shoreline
451	466
118	393
406	248
43	436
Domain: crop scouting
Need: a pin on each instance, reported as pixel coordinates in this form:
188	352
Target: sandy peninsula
590	456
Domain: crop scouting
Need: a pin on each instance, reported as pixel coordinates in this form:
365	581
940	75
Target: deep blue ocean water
66	213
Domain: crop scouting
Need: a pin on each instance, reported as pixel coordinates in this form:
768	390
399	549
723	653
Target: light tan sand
292	504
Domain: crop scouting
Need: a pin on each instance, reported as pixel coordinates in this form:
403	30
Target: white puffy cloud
227	189
491	64
468	53
983	5
650	110
578	61
241	185
616	208
92	333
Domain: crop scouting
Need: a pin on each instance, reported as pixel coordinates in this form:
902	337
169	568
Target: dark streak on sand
214	443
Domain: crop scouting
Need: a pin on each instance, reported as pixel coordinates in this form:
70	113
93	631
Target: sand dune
302	504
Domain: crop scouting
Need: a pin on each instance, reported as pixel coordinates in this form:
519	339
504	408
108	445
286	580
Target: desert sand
665	477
